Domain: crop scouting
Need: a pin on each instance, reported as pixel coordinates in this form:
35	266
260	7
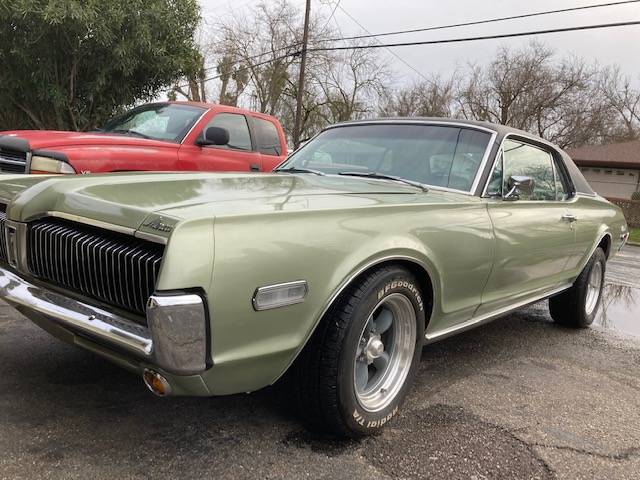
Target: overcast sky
607	46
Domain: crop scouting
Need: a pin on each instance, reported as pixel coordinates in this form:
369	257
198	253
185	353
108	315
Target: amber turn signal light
156	383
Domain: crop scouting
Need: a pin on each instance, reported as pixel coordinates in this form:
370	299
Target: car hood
131	199
60	140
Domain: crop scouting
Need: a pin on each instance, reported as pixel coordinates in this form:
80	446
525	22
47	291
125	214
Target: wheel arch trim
429	271
604	233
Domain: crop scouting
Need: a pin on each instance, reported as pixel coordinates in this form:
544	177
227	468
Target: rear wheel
577	307
356	370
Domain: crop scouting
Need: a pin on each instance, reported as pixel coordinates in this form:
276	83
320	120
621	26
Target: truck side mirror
214	136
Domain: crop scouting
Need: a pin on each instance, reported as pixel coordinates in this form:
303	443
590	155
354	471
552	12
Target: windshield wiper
300	170
130	132
382	176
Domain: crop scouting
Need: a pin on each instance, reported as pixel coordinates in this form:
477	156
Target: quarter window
236	125
268	138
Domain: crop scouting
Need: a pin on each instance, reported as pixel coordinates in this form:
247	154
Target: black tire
569	308
323	377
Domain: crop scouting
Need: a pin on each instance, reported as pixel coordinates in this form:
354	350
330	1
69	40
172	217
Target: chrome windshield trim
483	163
417	121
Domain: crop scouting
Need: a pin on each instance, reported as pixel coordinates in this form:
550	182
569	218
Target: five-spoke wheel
357	369
385	352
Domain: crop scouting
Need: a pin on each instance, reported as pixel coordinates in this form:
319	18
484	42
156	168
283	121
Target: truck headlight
41	164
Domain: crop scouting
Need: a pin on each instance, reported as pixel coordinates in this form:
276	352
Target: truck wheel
356	370
577	307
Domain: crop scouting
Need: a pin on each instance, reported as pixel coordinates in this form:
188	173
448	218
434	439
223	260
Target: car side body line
488	317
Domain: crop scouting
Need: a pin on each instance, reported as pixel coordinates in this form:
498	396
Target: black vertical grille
115	268
3	238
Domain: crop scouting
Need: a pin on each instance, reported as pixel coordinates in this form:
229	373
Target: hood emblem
158	224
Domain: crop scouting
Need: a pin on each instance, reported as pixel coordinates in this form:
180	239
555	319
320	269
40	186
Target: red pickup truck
156	136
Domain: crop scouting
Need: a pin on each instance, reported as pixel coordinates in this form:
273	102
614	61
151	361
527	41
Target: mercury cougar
331	273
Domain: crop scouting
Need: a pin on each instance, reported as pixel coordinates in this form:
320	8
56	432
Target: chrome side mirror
519	184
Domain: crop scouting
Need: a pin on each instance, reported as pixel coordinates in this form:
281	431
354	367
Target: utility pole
303	63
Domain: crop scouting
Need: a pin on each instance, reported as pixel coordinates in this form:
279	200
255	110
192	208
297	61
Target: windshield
441	156
158	121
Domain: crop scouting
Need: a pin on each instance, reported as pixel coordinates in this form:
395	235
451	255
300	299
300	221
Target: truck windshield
435	155
158	121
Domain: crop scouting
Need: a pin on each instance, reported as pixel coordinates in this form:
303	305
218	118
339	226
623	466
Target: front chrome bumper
175	339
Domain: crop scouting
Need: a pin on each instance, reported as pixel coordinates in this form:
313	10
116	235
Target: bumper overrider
174	340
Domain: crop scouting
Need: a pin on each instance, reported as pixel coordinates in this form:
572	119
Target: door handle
568	217
255	167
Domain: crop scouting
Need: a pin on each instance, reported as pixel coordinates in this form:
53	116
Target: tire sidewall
390	282
598	257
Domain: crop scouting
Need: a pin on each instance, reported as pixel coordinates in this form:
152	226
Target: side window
522	159
268	138
236	125
562	189
466	159
494	189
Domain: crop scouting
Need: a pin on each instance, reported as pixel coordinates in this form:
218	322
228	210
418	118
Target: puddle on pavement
620	310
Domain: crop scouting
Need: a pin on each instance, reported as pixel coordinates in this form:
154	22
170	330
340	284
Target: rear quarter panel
597	217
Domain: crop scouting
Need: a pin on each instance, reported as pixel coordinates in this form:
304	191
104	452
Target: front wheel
357	369
577	307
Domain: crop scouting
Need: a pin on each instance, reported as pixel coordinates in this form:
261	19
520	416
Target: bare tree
257	63
351	82
623	99
564	100
431	98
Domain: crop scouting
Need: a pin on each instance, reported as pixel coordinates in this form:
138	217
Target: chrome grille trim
3	234
13	161
112	267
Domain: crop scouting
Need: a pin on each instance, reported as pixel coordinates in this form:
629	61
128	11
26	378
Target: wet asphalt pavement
518	398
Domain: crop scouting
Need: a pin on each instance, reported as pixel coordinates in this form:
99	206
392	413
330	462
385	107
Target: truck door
238	155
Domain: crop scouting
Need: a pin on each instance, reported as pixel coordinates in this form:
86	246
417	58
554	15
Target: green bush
72	64
635	196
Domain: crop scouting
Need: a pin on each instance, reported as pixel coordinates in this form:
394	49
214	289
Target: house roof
616	155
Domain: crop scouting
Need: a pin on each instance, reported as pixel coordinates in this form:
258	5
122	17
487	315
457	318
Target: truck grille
12	161
3	237
114	268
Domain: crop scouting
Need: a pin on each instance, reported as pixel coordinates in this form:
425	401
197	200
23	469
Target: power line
473	39
479	22
425	29
427	42
388	49
333	13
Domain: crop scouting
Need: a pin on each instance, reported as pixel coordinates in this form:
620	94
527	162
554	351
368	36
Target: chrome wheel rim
385	352
594	285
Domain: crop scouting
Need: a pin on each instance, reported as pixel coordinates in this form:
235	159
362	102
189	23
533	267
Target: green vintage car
331	272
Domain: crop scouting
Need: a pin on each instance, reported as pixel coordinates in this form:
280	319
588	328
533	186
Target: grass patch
634	236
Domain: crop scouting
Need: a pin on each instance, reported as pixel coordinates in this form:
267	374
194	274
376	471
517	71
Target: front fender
328	249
